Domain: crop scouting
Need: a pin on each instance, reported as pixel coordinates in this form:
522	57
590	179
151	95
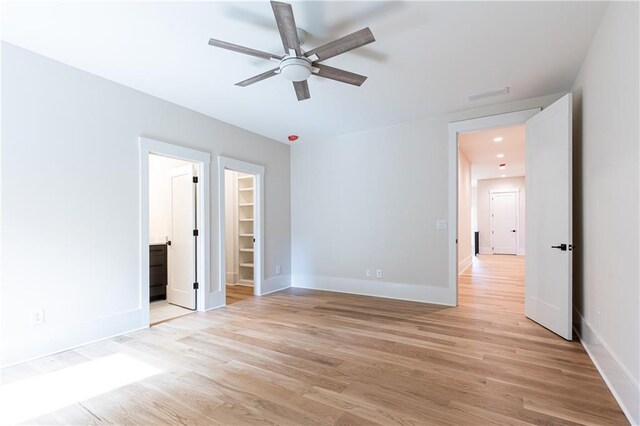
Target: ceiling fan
297	65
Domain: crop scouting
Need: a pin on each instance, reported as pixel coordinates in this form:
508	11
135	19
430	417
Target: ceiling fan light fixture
295	69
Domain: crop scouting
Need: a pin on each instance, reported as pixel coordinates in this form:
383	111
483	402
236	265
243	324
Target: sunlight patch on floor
36	396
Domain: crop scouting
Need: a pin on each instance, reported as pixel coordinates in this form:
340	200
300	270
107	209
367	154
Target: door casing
203	160
225	163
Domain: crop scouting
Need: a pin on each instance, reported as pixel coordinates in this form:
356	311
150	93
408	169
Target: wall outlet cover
378	273
441	224
368	273
278	270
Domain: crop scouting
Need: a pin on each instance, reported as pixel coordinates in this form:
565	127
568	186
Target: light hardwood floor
301	357
236	293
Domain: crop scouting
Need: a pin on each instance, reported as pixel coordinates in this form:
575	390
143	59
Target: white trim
485	250
277	283
517	213
203	159
455	128
464	264
417	292
620	381
225	163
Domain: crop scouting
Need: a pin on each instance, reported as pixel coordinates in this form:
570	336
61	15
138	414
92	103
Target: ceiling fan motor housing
295	69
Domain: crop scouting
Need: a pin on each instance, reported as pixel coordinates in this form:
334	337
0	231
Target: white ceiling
482	151
428	57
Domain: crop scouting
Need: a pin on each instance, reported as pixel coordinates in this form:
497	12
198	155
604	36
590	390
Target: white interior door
504	222
548	287
181	257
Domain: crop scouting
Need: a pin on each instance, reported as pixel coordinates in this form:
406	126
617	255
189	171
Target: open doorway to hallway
172	240
491	213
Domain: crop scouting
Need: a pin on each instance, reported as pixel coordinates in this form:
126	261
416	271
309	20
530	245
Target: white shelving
245	228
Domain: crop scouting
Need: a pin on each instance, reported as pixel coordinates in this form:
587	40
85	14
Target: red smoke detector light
292	138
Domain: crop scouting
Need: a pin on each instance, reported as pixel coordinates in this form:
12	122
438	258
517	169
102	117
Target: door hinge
195	286
195	179
195	232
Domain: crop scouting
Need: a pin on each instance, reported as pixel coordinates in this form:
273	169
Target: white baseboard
377	288
277	283
65	337
485	250
621	383
232	277
464	263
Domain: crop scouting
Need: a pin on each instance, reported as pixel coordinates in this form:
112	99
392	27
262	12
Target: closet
245	228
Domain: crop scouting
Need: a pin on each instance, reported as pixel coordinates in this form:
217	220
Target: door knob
562	247
513	230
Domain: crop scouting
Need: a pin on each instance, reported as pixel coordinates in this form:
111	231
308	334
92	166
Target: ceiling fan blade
286	26
302	90
242	49
340	75
342	45
257	78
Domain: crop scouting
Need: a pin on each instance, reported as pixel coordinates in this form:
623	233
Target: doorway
240	229
174	225
239	235
173	204
548	289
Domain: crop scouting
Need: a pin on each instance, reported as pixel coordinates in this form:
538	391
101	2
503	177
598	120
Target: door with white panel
504	222
181	253
548	288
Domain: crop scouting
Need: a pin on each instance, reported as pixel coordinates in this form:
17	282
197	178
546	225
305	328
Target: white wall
231	225
465	243
606	275
370	200
485	186
160	169
71	204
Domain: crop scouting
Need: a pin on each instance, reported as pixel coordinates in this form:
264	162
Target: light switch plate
441	224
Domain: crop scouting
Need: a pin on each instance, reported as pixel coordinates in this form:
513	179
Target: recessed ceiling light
500	156
497	139
503	175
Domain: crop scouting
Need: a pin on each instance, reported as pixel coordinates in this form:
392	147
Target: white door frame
203	159
506	191
225	163
484	123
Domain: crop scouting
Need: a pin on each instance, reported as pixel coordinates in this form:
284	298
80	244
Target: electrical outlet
441	224
278	270
378	273
598	320
37	317
368	273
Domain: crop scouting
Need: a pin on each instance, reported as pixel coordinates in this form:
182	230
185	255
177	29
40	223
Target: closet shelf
245	189
246	250
245	177
245	204
245	220
246	235
247	265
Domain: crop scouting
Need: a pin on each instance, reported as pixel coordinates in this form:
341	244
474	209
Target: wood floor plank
305	357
